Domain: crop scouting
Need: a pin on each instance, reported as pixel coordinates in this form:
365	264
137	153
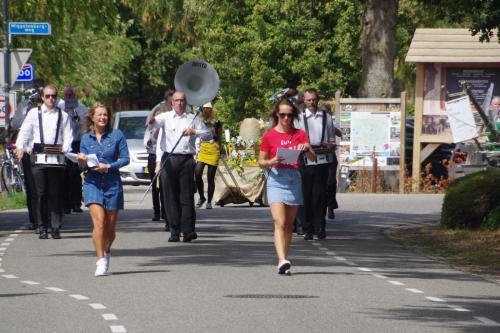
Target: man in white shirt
73	185
318	126
55	130
177	171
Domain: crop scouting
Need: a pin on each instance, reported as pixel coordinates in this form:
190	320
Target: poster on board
461	120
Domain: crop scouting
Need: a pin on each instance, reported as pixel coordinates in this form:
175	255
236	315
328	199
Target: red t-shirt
272	140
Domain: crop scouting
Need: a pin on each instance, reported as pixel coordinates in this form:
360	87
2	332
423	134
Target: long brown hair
89	124
276	110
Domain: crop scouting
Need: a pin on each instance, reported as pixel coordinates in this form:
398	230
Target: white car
132	124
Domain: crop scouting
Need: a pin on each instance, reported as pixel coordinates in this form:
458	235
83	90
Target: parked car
132	124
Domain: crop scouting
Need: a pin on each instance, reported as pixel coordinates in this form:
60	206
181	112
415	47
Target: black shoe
174	239
308	236
331	214
167	227
155	218
208	206
55	233
300	232
200	202
43	234
322	235
189	237
77	209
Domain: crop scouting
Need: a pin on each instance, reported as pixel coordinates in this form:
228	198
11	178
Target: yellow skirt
209	153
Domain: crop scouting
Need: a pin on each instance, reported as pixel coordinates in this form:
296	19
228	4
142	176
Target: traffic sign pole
6	70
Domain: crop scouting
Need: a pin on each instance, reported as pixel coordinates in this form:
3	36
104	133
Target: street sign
18	58
30	28
27	73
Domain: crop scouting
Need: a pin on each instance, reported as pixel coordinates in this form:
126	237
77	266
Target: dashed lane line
79	297
97	306
435	299
55	289
109	316
458	308
487	321
31	283
396	283
10	276
118	329
415	291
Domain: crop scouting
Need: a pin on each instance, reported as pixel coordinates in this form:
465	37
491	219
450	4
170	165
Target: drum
48	155
323	156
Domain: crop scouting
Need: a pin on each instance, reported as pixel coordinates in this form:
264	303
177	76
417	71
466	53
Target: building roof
451	45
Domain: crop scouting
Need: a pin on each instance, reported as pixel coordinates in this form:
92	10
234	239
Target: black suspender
307	127
40	124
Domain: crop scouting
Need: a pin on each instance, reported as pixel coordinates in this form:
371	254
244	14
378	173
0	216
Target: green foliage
15	200
473	202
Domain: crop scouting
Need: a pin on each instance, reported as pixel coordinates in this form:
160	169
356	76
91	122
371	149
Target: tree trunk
378	45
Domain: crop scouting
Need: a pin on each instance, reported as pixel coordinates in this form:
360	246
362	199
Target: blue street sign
30	28
27	73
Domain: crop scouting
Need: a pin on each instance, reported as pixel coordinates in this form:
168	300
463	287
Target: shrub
473	202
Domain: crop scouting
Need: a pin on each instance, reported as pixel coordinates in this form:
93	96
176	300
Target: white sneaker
107	255
101	267
284	267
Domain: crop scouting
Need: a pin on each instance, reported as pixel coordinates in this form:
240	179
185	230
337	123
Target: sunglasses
285	115
51	96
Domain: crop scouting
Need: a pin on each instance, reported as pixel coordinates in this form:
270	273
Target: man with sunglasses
44	126
318	126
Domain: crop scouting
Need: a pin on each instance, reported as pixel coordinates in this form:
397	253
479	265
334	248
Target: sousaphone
198	80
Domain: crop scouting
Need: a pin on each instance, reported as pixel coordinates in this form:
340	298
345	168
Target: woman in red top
284	187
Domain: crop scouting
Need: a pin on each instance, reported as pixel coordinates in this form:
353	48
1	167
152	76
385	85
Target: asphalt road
356	280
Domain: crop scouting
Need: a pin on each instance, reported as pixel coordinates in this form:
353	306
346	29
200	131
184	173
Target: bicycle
12	175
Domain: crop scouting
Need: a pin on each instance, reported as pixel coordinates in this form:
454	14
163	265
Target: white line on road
396	283
5	244
363	269
8	276
2	249
350	263
2	270
57	290
323	249
487	321
109	316
10	239
340	258
97	306
458	308
315	244
415	291
13	235
30	282
79	297
331	253
18	231
380	276
118	329
435	299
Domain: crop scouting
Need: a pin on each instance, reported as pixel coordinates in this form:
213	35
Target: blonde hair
89	124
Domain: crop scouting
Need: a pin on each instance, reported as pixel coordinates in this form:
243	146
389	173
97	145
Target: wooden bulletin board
369	124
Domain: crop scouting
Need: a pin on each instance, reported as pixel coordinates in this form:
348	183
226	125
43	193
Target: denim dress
105	189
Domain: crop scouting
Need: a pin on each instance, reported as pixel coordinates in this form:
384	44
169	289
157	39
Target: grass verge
12	201
473	251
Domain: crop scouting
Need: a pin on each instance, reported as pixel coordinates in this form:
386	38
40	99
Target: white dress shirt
173	125
315	127
30	132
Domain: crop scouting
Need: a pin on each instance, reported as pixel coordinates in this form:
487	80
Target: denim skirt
284	185
103	189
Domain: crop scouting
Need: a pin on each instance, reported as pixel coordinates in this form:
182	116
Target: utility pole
6	69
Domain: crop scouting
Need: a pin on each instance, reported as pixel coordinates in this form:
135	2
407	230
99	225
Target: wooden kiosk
444	57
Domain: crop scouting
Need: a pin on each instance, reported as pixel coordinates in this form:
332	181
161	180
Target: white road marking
323	249
458	308
380	276
363	269
315	244
396	283
109	316
415	291
18	231
2	249
435	299
2	270
97	306
13	235
118	329
1	259
30	282
5	244
487	321
350	263
331	253
8	276
55	289
340	258
10	239
79	297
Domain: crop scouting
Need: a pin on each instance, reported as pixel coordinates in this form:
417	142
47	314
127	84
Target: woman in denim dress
102	187
284	187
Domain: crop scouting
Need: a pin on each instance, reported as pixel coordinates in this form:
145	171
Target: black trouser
49	187
312	213
331	186
198	172
30	189
73	184
156	191
178	183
